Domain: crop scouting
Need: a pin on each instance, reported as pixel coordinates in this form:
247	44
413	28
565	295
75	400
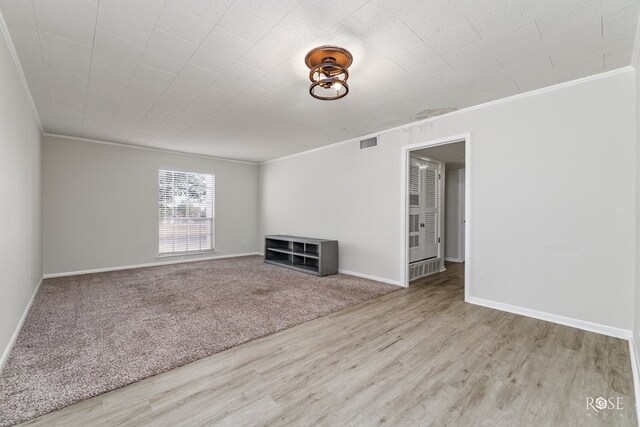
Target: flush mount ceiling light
329	72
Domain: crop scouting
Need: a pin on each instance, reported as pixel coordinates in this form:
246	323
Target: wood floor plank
420	356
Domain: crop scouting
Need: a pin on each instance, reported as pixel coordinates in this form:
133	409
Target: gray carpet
86	335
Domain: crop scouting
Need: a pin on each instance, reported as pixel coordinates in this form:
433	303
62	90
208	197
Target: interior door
424	209
431	210
415	211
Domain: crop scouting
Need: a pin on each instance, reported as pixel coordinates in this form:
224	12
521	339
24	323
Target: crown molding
16	61
636	46
467	110
142	147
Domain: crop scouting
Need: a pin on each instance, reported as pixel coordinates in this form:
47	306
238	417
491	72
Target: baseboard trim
458	260
549	317
150	264
14	337
368	276
636	371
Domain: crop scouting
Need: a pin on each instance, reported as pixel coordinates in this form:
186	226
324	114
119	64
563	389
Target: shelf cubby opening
310	264
311	248
278	244
280	257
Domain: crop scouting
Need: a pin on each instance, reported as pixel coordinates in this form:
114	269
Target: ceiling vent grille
369	142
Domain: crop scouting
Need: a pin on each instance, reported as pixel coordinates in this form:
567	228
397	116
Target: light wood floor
419	356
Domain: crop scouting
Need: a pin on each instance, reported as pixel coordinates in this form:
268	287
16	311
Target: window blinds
185	209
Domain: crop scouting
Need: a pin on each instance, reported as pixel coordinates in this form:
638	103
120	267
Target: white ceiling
227	78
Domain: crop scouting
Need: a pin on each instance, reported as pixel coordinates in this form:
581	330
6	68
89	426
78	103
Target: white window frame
212	217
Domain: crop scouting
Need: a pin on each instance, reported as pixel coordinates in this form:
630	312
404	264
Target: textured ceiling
227	78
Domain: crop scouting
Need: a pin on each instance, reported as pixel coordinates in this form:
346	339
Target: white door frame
461	214
404	186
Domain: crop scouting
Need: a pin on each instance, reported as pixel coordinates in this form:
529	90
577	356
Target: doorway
436	204
426	219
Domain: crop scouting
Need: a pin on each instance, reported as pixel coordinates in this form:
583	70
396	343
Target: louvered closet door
424	214
430	209
415	209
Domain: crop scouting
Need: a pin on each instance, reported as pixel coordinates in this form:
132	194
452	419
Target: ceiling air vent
369	142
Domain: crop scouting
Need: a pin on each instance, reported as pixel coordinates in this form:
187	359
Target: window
185	208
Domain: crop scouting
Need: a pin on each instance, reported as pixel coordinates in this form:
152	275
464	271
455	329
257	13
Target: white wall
452	226
553	184
636	329
100	205
20	238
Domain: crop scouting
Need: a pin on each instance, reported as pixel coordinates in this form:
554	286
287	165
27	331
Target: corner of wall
16	332
635	369
635	340
20	158
259	231
14	55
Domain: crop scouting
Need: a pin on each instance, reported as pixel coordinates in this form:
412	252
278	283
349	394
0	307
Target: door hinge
439	176
438	240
